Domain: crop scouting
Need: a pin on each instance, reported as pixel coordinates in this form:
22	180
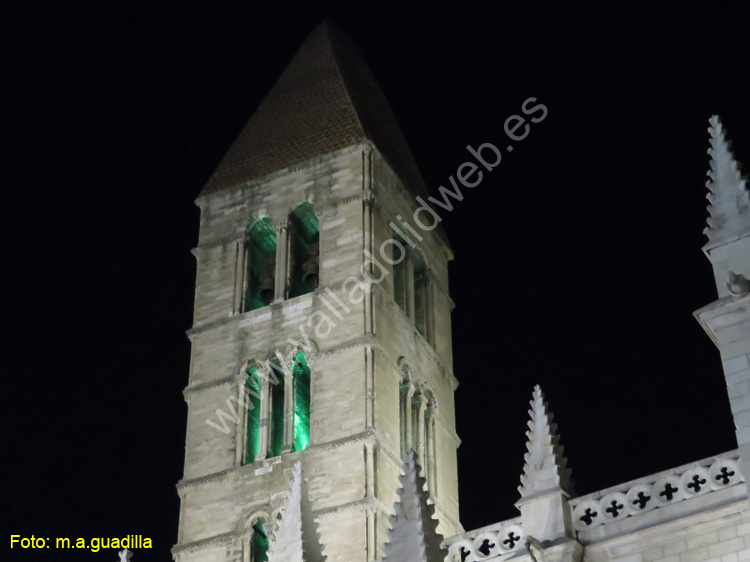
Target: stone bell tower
727	320
321	329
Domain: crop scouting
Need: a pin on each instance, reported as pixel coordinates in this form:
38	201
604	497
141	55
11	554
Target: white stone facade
381	379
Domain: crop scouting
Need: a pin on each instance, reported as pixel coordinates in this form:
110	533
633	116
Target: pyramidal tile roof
325	100
413	536
295	538
729	206
545	467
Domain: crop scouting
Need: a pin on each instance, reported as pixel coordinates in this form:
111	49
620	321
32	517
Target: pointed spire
728	195
296	537
326	100
545	467
413	536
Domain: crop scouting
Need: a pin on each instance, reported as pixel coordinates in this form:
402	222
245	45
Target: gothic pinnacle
728	195
545	466
296	537
413	535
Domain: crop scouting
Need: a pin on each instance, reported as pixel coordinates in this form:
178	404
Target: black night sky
578	260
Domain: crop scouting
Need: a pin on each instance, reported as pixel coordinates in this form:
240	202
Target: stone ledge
232	191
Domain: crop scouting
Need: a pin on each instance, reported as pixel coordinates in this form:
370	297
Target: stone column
372	528
369	387
282	257
242	429
430	448
265	412
239	276
369	470
367	246
420	429
246	545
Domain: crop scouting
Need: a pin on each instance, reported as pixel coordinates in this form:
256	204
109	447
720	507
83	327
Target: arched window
400	261
276	443
417	417
259	542
301	374
421	300
260	244
253	388
304	247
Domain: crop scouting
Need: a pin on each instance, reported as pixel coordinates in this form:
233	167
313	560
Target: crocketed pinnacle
728	196
545	467
413	535
295	538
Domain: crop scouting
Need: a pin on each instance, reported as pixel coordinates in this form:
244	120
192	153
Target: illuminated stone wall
353	457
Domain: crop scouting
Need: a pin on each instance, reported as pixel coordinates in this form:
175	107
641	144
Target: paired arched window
417	416
277	408
281	261
412	286
260	248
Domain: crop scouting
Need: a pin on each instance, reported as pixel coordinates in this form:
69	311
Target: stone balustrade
656	491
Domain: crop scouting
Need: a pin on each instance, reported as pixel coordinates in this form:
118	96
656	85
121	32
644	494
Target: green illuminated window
252	397
259	542
260	245
304	246
301	374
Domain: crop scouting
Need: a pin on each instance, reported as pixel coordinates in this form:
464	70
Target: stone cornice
218	540
188	391
312	163
198	329
216	242
721	313
310	450
369	502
